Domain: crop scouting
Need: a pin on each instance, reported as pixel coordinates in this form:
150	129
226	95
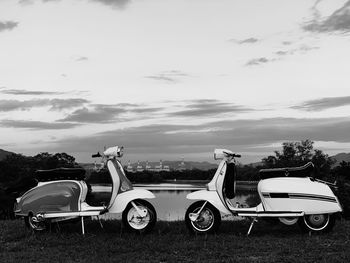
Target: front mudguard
123	199
212	197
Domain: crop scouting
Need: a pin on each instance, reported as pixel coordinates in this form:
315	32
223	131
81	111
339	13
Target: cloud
323	104
258	61
338	21
36	125
28	92
7	25
250	40
208	108
98	114
82	58
302	49
114	3
171	77
54	104
121	4
236	134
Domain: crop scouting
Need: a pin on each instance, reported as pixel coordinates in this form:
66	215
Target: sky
173	79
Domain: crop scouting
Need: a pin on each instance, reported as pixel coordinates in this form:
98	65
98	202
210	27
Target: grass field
170	242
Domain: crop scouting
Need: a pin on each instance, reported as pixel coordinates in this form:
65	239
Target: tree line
15	168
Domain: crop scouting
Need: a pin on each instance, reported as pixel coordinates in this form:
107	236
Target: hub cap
135	220
205	219
316	222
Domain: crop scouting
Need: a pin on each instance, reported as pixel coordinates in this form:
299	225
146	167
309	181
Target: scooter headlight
116	151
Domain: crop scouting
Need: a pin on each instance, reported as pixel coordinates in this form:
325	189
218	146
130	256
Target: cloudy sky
174	78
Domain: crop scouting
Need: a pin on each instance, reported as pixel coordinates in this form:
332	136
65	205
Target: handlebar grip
237	155
96	155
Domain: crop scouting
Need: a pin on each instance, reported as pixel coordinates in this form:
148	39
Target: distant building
161	167
139	167
181	167
148	167
129	168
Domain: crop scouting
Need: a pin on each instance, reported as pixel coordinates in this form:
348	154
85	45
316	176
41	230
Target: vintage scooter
290	194
63	195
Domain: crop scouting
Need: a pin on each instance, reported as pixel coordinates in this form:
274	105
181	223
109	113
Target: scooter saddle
301	171
60	174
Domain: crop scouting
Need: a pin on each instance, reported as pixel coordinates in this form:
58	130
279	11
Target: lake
171	203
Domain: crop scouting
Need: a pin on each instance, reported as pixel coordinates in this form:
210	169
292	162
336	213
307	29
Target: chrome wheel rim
316	222
136	221
35	224
205	220
288	220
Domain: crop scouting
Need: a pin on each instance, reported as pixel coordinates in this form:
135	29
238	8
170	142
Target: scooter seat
60	174
302	171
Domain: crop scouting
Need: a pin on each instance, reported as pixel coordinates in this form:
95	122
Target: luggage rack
301	171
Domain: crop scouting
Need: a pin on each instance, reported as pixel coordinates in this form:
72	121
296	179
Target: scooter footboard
123	199
211	196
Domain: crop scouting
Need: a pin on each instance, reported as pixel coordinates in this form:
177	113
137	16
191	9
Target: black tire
32	224
140	225
321	223
208	221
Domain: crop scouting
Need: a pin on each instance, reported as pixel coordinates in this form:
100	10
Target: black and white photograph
174	131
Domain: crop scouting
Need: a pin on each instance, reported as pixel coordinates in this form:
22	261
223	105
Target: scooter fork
194	216
141	212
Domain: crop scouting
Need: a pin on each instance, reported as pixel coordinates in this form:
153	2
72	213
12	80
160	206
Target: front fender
211	196
123	199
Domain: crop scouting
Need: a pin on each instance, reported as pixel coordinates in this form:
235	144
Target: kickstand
99	220
82	226
252	224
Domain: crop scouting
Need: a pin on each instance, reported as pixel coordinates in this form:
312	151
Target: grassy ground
170	242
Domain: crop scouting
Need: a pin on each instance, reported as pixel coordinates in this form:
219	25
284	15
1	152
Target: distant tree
300	153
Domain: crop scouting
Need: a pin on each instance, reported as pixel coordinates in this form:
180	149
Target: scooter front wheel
317	222
207	221
134	222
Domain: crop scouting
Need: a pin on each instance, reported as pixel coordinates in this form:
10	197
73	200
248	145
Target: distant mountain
341	157
3	154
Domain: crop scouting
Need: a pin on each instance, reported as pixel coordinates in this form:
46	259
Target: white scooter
63	195
289	194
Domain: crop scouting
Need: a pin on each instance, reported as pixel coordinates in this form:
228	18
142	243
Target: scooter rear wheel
134	222
208	220
317	222
34	224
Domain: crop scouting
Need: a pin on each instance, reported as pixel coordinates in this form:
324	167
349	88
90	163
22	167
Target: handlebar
96	155
233	154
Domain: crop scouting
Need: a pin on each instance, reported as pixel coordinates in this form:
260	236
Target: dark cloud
172	76
250	40
302	49
258	61
36	125
241	134
82	58
54	104
120	4
208	108
323	104
60	104
114	3
28	92
98	114
7	25
338	21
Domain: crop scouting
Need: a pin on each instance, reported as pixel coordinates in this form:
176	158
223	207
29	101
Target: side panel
61	196
122	199
297	194
210	196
